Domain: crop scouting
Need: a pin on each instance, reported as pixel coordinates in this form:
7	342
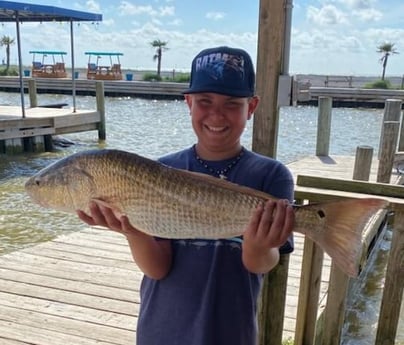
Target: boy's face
219	120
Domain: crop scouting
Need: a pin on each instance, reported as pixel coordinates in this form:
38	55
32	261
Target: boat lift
103	70
44	69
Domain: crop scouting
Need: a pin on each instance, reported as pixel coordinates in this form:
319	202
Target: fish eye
37	181
321	213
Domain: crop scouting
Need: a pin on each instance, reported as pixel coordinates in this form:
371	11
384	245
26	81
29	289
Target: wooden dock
145	89
41	121
83	288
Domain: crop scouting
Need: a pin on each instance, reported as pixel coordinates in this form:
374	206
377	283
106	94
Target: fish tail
337	227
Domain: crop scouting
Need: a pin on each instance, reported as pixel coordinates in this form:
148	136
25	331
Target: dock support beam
99	92
324	126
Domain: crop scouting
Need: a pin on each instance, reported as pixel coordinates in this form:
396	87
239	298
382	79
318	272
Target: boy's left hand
270	225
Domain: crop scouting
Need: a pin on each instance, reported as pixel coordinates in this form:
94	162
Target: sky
328	37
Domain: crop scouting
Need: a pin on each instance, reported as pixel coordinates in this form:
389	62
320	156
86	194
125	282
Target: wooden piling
392	112
363	163
271	307
401	135
271	29
99	91
334	312
309	293
33	99
387	150
393	286
324	126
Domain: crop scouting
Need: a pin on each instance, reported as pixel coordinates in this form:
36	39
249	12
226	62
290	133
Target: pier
113	88
31	129
83	288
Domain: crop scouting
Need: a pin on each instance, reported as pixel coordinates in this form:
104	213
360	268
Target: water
153	128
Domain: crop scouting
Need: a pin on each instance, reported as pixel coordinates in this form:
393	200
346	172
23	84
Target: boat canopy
19	12
40	13
104	53
47	52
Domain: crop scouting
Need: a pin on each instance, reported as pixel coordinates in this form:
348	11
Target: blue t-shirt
209	297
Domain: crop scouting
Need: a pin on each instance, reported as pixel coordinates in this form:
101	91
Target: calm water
153	128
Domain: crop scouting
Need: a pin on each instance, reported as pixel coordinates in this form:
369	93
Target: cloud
126	8
215	15
369	15
93	6
326	15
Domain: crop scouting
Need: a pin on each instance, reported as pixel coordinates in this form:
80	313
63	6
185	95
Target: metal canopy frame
23	12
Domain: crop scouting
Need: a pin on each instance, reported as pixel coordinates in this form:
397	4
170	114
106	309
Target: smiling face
218	122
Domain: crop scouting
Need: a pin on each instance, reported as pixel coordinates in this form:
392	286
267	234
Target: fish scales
172	203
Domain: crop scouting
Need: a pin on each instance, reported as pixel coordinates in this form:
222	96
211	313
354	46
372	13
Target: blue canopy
47	52
40	13
104	53
23	12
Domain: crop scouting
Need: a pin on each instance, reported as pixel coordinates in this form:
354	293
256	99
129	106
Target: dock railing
327	329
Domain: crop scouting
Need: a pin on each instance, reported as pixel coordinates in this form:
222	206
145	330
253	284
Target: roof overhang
9	11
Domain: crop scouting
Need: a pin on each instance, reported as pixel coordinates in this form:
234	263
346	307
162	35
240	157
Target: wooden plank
64	284
77	271
76	119
70	297
355	93
73	328
6	123
393	287
24	133
32	335
85	314
309	292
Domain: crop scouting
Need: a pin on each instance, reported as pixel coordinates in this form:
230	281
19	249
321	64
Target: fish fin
117	212
339	229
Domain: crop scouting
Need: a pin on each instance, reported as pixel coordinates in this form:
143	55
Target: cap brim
221	91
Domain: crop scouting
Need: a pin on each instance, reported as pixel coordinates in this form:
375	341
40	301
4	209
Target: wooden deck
43	121
83	288
165	90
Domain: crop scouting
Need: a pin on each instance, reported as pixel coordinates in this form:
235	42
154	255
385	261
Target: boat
42	68
104	70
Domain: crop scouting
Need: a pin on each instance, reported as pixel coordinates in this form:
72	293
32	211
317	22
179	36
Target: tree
161	46
7	41
386	49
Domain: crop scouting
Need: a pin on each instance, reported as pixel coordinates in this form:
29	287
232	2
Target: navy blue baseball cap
223	70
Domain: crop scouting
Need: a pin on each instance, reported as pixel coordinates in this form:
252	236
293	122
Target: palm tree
160	45
386	49
7	41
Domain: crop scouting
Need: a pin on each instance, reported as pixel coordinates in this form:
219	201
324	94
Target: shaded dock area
30	129
83	288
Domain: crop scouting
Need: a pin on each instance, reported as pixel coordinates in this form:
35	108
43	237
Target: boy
204	292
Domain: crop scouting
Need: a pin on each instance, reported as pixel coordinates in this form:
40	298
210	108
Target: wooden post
334	312
13	146
393	286
401	135
387	151
271	36
363	163
392	112
33	100
309	292
271	308
323	126
99	93
270	55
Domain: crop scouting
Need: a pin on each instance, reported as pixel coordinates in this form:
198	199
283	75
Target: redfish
172	203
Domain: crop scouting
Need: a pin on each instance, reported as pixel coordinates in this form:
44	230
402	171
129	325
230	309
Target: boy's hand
268	229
